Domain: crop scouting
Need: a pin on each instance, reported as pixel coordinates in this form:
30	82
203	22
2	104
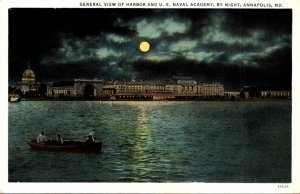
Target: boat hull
14	98
67	146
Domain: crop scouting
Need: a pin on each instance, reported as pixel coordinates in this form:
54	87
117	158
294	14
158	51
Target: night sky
230	46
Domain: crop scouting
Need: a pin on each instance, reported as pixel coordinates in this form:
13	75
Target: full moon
144	46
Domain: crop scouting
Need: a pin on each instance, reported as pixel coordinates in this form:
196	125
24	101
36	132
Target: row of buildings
179	87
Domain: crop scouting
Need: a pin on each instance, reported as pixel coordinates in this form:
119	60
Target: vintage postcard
155	97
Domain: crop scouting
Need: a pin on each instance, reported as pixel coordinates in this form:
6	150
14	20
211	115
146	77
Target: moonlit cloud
242	48
243	59
201	56
186	42
183	45
154	28
74	50
239	48
157	58
250	57
103	53
271	49
116	38
215	32
69	51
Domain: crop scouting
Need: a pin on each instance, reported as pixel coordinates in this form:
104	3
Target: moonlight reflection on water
155	141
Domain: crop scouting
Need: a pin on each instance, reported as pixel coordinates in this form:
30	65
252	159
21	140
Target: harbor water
154	141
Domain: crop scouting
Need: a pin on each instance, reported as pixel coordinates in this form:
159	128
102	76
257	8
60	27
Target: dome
28	76
28	73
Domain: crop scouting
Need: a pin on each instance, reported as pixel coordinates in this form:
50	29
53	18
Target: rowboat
68	145
14	98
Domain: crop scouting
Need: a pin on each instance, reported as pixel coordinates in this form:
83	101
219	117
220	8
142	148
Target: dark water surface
155	141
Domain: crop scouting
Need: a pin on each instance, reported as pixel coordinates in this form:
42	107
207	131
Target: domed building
28	83
28	76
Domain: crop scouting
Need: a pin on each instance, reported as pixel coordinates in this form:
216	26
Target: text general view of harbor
150	95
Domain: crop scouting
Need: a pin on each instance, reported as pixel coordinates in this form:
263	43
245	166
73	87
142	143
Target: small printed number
283	186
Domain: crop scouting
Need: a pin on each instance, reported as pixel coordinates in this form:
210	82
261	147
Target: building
178	87
211	90
61	89
276	94
265	93
88	87
28	83
232	94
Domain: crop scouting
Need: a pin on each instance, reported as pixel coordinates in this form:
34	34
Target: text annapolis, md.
177	4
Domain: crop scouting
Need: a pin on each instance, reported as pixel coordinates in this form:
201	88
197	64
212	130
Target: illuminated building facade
76	88
276	94
61	89
28	83
179	87
232	94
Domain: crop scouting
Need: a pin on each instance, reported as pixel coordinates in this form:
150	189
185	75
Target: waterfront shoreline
175	100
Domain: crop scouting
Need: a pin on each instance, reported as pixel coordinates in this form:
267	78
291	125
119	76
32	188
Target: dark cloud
229	46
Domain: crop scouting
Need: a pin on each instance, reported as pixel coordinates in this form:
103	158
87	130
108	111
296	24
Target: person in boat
58	139
90	139
41	138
